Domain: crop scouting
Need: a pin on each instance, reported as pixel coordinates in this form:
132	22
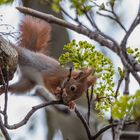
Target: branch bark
30	113
3	130
8	60
79	29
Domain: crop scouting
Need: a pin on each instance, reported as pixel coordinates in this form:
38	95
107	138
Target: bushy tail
35	33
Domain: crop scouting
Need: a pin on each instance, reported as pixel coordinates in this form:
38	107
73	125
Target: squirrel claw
71	105
57	92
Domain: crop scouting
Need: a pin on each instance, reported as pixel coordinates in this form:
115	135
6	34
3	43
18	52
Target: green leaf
122	107
135	53
102	6
121	72
88	8
5	1
112	2
130	51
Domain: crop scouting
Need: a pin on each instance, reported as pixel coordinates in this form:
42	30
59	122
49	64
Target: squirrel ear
91	80
85	73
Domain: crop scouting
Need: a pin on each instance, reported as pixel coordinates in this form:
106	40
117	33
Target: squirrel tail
35	34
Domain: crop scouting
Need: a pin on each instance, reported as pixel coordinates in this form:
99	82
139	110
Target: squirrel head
78	83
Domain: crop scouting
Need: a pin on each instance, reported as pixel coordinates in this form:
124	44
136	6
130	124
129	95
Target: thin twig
3	79
93	23
79	115
117	19
30	113
12	34
107	10
6	98
127	81
89	19
118	87
114	19
88	102
5	85
3	130
1	112
74	19
112	129
101	131
108	16
130	133
130	67
91	96
130	30
119	129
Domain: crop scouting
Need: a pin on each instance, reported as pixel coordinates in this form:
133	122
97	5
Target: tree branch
114	19
30	113
127	81
132	27
130	133
3	130
118	87
79	115
101	131
79	29
129	67
117	19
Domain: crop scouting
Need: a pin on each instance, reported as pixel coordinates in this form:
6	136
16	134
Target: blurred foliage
122	107
127	106
134	52
83	55
121	73
5	1
136	107
81	6
1	136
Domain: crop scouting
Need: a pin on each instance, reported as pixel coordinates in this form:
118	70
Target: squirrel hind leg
21	87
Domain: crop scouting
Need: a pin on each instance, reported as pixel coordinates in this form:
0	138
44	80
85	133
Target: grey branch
30	113
131	29
3	130
130	133
79	29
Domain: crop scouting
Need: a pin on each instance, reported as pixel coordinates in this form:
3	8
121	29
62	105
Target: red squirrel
42	71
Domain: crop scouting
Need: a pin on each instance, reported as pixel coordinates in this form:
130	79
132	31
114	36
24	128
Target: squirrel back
35	34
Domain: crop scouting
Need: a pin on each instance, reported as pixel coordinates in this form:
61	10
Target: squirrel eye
73	88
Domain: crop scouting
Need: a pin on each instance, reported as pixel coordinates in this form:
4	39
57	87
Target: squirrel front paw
71	105
58	92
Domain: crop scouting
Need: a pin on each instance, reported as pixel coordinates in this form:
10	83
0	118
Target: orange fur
35	33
